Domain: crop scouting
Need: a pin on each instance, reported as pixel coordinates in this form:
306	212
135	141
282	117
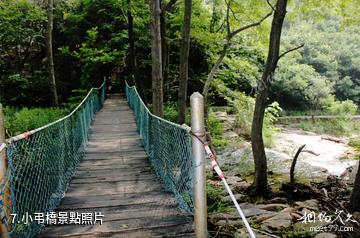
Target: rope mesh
41	164
169	147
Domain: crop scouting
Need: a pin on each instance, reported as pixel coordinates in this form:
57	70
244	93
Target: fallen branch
336	140
311	152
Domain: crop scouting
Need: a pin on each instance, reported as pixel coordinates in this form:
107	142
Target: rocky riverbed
326	160
323	155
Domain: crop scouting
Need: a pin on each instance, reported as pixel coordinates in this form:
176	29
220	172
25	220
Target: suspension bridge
104	170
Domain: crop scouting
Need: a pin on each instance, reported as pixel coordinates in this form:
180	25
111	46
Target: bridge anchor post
198	128
5	194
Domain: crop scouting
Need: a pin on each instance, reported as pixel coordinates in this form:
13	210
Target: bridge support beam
198	128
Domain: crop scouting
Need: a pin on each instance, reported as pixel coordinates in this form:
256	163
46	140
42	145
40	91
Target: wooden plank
119	200
120	178
160	225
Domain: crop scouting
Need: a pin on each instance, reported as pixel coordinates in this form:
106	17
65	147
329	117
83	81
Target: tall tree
184	61
49	50
261	182
165	46
230	34
156	58
355	196
132	54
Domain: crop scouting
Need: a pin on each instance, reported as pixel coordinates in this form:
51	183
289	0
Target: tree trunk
156	57
260	182
50	57
132	55
164	48
184	61
355	196
210	78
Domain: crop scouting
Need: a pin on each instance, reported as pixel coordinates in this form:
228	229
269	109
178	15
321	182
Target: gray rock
280	221
356	215
311	204
230	135
251	210
278	200
273	207
215	217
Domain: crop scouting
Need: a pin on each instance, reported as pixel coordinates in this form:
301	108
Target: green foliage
216	131
243	106
91	57
339	108
271	113
355	142
18	121
337	127
77	95
21	25
328	56
300	86
215	199
22	29
298	234
171	112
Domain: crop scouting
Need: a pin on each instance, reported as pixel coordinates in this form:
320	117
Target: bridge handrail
169	148
41	163
26	134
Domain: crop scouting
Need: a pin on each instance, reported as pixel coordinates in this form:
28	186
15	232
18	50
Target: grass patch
335	127
215	200
355	142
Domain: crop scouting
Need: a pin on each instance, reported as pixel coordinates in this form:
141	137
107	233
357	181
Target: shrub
20	120
171	111
339	108
216	131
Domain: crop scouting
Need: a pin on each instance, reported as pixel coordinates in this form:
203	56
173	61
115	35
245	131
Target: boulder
280	221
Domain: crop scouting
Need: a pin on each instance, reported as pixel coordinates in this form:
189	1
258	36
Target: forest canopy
90	42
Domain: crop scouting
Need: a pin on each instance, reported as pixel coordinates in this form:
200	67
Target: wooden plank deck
116	179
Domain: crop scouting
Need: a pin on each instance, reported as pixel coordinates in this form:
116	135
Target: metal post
197	127
3	168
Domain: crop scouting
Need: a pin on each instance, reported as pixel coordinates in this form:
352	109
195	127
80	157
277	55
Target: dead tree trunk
292	168
184	62
156	57
355	196
50	57
261	181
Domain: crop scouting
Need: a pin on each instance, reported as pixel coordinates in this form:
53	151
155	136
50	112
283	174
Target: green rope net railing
41	163
169	147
